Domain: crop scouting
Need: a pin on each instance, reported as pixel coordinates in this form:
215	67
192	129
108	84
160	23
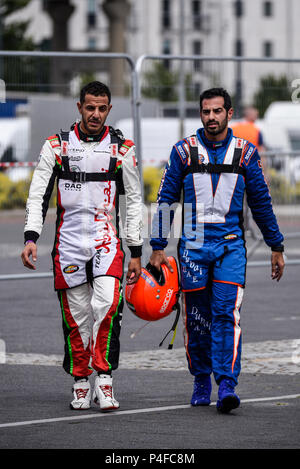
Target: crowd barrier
135	82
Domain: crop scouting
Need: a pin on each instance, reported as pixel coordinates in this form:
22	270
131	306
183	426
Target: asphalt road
152	383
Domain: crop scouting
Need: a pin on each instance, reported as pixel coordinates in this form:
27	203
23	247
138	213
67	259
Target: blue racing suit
213	177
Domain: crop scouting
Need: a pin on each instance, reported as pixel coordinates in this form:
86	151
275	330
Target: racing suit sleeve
133	200
40	191
259	200
168	194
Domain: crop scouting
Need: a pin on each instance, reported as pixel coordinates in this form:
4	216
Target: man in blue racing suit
214	169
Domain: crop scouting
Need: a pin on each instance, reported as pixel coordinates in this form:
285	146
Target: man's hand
134	270
159	257
277	263
29	250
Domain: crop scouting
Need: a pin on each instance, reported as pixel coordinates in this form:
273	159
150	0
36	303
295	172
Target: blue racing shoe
202	391
228	399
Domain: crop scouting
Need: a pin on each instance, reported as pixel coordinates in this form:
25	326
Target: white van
280	128
15	143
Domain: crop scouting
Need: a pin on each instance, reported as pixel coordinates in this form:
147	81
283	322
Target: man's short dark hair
216	92
95	88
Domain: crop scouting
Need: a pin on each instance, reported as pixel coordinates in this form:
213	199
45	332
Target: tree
271	89
20	73
160	83
13	34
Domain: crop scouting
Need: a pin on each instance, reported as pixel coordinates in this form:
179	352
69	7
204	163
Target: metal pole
136	109
181	73
1	45
289	34
238	39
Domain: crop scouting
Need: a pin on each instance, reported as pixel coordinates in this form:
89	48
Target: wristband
135	251
29	241
278	248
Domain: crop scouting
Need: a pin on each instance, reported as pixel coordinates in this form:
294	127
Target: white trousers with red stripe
91	323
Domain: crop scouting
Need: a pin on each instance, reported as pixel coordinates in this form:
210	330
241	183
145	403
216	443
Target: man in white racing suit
93	164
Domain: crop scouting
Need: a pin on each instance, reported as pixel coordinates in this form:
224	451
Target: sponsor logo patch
193	141
231	236
248	155
75	157
123	150
182	152
64	148
114	149
72	186
167	300
70	269
147	279
75	169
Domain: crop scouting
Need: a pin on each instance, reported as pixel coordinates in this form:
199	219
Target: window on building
197	89
91	13
196	14
239	48
92	43
238	8
166	49
91	20
166	14
268	8
197	50
267	49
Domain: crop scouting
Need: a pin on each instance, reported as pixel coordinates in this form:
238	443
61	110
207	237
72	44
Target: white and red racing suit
92	179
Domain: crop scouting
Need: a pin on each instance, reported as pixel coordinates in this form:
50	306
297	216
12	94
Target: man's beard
217	130
92	131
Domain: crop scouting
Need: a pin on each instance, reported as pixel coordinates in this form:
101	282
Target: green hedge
14	194
281	190
152	177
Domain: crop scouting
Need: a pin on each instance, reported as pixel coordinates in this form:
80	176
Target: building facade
218	28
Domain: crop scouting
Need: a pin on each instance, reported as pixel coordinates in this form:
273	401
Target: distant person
92	164
248	130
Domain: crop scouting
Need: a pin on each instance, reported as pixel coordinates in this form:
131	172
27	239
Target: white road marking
134	411
8	250
269	357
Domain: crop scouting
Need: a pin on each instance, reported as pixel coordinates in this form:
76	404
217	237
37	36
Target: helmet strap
173	328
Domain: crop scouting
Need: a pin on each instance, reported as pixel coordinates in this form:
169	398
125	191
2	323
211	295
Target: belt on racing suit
81	176
196	167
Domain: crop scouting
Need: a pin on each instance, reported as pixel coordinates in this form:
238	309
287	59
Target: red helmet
155	294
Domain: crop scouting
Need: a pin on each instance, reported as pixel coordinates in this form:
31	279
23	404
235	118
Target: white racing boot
103	393
82	395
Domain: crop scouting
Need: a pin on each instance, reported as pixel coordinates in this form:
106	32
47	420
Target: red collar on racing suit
90	138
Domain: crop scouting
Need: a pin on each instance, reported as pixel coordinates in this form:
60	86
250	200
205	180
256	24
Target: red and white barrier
18	164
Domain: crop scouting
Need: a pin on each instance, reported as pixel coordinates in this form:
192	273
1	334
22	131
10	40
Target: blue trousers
213	333
213	285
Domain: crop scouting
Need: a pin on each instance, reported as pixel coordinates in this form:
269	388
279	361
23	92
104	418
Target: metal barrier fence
36	76
283	165
210	80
